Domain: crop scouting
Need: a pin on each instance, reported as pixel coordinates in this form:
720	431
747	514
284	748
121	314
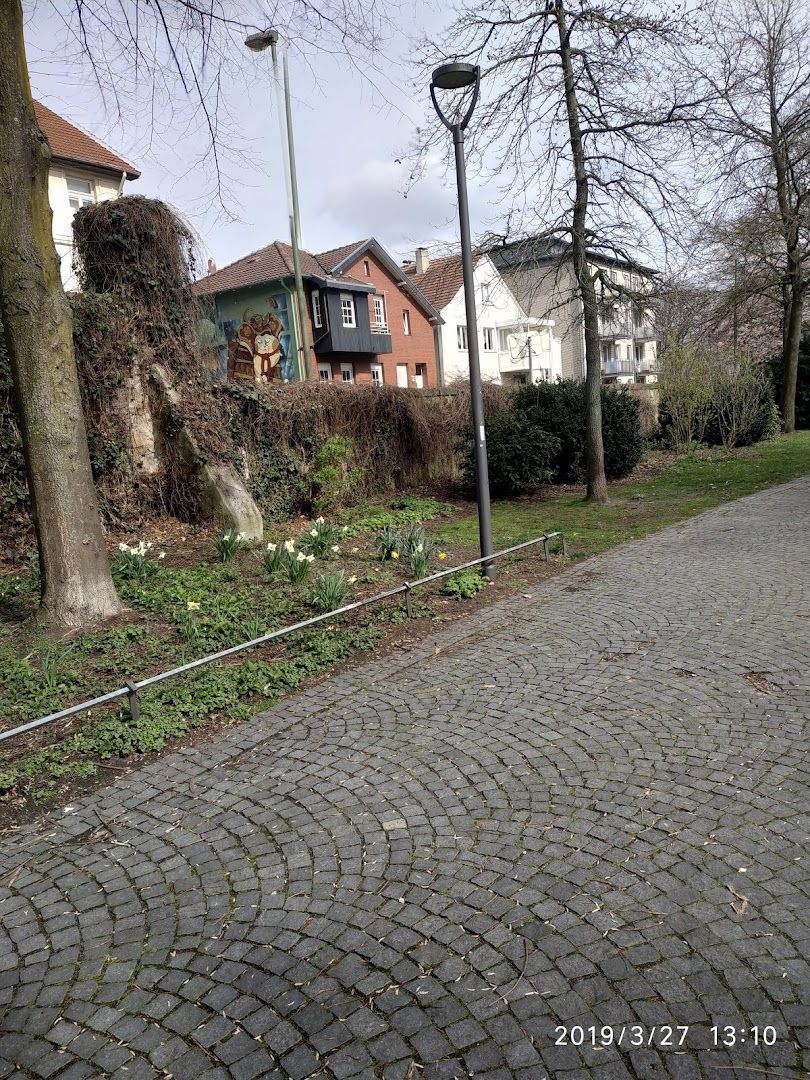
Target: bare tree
176	50
755	65
577	108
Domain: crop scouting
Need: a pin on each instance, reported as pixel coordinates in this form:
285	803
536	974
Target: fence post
408	608
132	699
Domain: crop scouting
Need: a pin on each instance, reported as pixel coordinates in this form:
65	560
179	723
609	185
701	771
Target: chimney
422	260
212	266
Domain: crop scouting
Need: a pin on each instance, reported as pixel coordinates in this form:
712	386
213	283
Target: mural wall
260	342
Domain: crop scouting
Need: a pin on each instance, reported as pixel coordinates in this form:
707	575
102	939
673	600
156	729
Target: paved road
572	818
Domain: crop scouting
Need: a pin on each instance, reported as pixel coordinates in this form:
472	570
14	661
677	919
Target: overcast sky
351	131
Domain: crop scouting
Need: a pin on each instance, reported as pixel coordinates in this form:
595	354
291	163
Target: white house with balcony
540	273
513	347
82	171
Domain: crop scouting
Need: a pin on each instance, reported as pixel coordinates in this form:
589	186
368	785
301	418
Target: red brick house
369	322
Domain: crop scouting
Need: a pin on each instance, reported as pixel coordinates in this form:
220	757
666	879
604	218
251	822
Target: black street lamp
457	76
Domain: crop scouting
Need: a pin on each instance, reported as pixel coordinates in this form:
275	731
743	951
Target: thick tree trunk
790	354
594	447
76	585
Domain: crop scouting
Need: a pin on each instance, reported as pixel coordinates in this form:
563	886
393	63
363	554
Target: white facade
512	347
627	337
69	187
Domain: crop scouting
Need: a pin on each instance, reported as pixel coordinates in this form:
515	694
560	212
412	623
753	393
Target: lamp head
454	76
262	40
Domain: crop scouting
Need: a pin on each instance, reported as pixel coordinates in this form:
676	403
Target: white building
82	171
540	274
513	347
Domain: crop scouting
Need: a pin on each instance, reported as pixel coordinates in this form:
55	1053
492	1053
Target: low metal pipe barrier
132	688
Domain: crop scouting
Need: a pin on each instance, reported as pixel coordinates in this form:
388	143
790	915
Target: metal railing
132	689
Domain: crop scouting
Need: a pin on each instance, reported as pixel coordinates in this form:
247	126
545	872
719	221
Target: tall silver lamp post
258	43
458	76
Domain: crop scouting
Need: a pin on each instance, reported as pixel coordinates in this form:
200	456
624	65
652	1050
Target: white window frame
485	292
83	197
347	369
503	339
380	320
324	372
377	374
489	338
421	376
461	337
366	268
348	310
317	314
406	322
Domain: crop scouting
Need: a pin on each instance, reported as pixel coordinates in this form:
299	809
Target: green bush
559	409
331	478
519	452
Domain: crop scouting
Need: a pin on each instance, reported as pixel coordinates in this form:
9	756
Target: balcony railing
378	327
619	367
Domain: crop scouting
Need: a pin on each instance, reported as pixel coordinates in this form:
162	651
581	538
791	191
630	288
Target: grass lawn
641	504
191	604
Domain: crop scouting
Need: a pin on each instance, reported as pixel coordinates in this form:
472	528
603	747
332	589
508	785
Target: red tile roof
271	263
69	143
442	279
334	257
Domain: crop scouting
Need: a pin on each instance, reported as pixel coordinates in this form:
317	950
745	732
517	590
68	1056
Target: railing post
132	699
408	608
545	548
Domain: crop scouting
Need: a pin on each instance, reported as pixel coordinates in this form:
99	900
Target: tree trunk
596	480
790	353
77	588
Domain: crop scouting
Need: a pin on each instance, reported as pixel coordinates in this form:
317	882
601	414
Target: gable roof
270	263
275	261
345	257
442	279
69	143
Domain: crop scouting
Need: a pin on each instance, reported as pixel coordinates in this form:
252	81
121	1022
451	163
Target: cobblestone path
570	820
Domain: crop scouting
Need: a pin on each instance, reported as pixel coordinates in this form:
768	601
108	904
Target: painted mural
259	342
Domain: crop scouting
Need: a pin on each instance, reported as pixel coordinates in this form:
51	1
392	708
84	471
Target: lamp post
258	43
458	76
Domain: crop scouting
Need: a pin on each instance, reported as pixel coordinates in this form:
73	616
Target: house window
377	378
325	372
503	340
402	374
347	373
406	322
317	318
80	193
379	321
347	310
420	379
489	338
485	288
608	352
461	336
366	268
